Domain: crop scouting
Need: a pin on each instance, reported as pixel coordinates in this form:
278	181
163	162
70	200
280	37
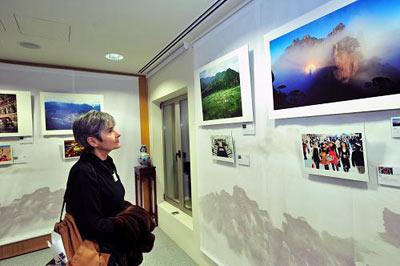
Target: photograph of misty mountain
220	90
352	53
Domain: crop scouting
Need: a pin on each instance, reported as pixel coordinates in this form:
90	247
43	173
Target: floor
165	252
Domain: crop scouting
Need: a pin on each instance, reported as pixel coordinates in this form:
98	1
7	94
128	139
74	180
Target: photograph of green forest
220	90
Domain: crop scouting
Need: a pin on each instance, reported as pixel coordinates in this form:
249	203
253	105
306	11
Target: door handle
177	155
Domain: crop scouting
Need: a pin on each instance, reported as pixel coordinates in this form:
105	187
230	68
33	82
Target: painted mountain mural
220	91
39	209
254	235
352	53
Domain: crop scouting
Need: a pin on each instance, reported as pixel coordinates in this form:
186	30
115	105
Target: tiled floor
165	252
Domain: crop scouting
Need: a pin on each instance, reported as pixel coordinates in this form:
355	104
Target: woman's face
109	139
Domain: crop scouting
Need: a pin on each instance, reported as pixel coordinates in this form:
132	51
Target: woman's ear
92	141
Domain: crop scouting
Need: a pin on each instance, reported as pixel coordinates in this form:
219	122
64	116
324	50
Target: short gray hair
91	124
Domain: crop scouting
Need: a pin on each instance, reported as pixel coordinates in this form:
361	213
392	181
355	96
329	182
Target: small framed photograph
395	121
389	176
6	156
15	113
71	149
222	148
337	153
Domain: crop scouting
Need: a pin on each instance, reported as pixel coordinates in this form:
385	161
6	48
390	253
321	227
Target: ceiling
78	34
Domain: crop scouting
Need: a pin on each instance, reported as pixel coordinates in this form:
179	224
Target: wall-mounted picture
6	154
72	149
15	113
395	127
224	89
341	154
222	148
385	170
59	110
389	176
342	57
8	113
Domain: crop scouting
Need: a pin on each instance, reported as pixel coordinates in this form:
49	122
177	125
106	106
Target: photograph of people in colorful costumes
340	152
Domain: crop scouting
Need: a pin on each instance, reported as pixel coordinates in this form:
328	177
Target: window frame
180	203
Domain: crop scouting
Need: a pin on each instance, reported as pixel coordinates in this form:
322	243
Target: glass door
177	153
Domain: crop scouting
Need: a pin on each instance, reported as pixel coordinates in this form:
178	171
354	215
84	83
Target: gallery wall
271	213
174	80
31	192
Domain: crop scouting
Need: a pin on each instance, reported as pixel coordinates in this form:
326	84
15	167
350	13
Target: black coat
94	195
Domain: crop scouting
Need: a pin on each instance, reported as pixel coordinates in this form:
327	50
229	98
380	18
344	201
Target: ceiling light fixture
30	45
114	57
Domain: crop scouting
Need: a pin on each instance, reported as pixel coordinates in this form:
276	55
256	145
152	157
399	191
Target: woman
344	154
95	194
221	149
333	156
315	155
324	156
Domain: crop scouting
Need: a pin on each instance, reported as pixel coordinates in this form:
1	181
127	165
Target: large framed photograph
222	148
340	58
59	110
15	113
6	156
223	89
340	154
71	149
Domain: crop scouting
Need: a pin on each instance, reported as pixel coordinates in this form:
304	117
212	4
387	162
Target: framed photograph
340	58
389	176
223	89
6	156
15	113
71	149
395	127
340	154
222	148
59	110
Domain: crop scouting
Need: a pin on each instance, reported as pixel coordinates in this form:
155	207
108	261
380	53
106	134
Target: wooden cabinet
145	189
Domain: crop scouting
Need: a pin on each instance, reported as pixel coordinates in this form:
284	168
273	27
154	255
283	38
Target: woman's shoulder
81	166
82	171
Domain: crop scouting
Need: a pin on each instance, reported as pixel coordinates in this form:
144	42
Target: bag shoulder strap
63	206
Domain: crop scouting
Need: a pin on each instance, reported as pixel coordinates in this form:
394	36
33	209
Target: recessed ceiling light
30	45
114	57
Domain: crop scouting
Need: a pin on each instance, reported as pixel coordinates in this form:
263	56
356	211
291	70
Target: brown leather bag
80	252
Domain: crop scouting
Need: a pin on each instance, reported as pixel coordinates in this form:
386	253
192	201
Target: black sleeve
85	204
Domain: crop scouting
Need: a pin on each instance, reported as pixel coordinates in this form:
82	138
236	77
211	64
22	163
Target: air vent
38	27
30	45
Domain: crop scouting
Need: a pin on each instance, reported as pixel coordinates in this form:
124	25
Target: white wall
244	213
173	80
28	208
